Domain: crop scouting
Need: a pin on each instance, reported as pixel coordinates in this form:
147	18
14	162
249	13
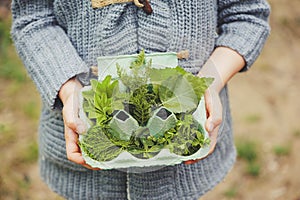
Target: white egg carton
106	66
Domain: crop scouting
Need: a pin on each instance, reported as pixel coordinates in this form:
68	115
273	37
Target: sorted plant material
142	111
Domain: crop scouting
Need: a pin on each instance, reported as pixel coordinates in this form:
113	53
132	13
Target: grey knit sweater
58	39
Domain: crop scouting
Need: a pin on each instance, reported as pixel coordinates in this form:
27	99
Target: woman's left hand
214	119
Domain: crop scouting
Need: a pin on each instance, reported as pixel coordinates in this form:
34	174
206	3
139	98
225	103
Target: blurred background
265	109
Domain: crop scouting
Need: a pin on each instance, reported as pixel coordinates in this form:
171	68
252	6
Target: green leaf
139	73
177	94
140	103
88	94
159	75
139	61
97	102
188	138
199	84
106	86
98	146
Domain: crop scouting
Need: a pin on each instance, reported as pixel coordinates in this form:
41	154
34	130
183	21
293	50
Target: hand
222	65
214	119
73	125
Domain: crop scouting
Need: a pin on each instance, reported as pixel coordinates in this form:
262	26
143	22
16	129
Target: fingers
213	140
70	114
70	98
189	162
73	125
214	119
73	150
214	113
213	109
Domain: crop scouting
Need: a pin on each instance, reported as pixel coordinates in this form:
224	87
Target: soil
265	111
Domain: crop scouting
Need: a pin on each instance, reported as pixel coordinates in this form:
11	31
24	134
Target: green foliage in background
231	192
19	113
5	40
10	66
248	151
282	150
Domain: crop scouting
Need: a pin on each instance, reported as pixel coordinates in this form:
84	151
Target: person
59	41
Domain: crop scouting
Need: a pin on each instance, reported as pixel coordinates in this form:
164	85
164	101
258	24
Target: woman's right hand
73	125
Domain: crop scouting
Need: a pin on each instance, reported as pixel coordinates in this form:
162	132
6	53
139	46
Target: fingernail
210	127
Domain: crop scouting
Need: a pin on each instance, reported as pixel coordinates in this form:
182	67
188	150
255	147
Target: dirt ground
265	109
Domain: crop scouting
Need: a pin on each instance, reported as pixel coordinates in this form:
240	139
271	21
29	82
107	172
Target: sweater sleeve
46	51
243	26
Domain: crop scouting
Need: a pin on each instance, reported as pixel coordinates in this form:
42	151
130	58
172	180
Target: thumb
70	115
213	122
213	109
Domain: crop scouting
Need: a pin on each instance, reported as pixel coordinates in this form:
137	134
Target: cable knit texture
58	39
